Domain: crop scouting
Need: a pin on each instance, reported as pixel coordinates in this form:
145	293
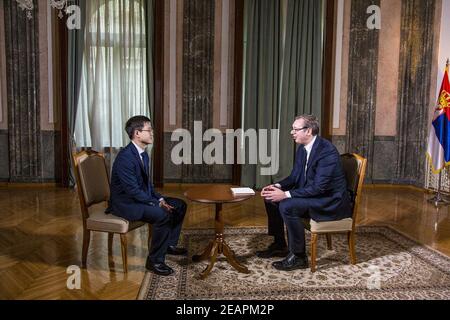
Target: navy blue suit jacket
325	189
131	188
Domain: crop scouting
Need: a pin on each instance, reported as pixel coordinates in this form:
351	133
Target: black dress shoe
274	250
161	269
176	251
291	262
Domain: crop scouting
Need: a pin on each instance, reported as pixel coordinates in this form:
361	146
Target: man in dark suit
316	188
134	198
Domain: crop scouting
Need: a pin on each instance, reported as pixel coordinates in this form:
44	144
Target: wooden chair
355	169
93	192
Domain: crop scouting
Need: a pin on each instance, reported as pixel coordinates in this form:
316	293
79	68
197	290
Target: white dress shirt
140	150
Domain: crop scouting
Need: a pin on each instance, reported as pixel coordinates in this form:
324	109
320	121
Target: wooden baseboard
384	186
28	185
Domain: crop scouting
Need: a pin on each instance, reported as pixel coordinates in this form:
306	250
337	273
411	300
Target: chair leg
123	243
313	251
351	246
110	242
86	240
329	242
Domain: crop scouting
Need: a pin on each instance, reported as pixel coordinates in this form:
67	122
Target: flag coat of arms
438	151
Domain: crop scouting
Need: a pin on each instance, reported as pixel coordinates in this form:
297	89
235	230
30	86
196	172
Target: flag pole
438	199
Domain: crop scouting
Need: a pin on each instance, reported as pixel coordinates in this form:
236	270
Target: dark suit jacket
325	188
131	188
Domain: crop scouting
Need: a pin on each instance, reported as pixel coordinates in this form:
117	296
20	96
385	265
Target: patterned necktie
146	161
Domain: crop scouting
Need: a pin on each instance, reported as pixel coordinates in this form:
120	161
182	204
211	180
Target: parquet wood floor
41	235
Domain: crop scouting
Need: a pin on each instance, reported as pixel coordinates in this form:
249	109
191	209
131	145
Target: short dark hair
310	122
135	123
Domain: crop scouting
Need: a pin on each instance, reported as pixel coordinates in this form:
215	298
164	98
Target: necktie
146	161
303	171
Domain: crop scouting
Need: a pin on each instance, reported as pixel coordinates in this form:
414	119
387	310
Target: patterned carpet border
410	270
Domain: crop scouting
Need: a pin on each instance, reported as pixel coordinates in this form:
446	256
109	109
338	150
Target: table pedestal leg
218	246
205	254
232	259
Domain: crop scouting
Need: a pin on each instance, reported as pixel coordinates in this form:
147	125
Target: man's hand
267	188
163	204
274	194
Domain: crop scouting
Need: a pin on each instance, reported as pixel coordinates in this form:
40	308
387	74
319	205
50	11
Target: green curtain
283	53
150	26
262	46
301	85
75	62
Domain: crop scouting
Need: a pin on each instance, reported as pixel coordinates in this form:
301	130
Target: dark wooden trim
158	121
62	161
328	70
238	68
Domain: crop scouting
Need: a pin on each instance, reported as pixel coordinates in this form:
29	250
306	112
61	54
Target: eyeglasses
151	130
299	129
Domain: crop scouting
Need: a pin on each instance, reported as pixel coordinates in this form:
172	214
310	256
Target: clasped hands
273	193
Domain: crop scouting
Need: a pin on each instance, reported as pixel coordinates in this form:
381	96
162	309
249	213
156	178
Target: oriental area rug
389	266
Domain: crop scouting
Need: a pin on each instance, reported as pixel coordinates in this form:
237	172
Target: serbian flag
438	151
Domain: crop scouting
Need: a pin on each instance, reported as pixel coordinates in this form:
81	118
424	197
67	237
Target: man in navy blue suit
134	198
316	189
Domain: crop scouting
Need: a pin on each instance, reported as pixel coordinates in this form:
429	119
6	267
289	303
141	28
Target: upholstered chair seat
332	226
100	221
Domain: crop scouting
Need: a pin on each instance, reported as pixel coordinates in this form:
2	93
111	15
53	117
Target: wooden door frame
62	141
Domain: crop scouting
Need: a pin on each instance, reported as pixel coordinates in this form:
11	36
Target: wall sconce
28	6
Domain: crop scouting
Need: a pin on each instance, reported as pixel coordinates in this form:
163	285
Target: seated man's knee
290	207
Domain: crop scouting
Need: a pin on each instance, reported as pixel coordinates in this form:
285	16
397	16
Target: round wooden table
217	194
